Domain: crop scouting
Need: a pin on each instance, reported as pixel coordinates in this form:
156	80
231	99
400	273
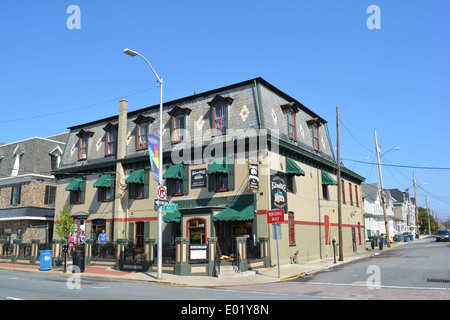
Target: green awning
175	171
172	217
293	168
75	185
327	179
218	166
236	213
105	181
137	176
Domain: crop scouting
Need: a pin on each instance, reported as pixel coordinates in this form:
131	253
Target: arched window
196	230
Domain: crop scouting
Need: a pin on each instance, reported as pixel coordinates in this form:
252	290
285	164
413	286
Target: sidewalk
265	275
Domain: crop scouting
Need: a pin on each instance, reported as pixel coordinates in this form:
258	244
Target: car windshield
443	232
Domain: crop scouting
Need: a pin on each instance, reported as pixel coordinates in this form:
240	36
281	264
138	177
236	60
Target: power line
398	165
79	108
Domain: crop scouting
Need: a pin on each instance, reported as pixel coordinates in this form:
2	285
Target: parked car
443	235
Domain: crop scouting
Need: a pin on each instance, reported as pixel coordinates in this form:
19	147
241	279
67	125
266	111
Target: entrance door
97	226
354	239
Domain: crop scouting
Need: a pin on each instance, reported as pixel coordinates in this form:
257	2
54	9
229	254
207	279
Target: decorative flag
153	151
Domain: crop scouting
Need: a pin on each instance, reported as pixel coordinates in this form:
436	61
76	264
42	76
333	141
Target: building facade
28	189
373	211
230	155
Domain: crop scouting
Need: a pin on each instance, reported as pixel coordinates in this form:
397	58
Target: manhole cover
439	280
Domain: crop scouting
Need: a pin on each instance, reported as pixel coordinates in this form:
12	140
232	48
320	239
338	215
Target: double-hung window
111	137
82	155
291	120
178	128
315	130
220	119
142	136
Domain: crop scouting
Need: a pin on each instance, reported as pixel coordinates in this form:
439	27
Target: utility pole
341	247
428	213
417	209
383	199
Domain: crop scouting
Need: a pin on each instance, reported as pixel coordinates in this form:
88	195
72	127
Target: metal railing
169	253
104	251
134	253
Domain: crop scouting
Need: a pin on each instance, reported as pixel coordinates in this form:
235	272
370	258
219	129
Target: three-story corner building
230	154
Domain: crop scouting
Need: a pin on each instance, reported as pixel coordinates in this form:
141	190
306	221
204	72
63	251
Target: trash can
411	237
383	239
78	259
405	238
45	260
374	241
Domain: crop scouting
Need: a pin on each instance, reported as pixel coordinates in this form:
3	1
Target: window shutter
185	179
231	175
169	186
99	194
131	231
113	186
71	197
131	188
147	183
83	190
211	182
147	229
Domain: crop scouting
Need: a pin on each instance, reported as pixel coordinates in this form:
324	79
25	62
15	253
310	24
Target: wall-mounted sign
253	179
198	178
278	190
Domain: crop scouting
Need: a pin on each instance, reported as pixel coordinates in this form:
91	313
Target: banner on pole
153	152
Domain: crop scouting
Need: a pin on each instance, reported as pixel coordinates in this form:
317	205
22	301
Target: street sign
275	216
160	203
170	208
162	192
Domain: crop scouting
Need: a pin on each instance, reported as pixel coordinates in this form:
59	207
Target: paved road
419	270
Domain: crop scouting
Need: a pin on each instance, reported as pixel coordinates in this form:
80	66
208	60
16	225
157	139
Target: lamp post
160	183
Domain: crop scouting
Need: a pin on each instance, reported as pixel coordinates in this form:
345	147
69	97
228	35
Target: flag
153	151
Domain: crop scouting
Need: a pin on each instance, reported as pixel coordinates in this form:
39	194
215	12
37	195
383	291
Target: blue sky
394	80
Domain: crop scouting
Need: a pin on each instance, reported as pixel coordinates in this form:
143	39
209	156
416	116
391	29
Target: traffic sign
160	203
170	208
275	216
162	192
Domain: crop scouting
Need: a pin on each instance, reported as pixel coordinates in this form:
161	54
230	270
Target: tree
64	223
423	221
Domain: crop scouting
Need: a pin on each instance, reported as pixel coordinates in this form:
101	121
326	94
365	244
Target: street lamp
160	183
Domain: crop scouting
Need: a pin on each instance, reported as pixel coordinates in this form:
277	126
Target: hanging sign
253	179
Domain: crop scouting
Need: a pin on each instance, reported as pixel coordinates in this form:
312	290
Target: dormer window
111	138
178	123
290	109
219	114
314	123
142	123
291	124
84	135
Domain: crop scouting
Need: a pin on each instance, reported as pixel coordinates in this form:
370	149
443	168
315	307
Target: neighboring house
230	154
28	189
373	211
404	210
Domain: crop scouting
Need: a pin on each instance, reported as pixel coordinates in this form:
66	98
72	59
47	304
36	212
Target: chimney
122	131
